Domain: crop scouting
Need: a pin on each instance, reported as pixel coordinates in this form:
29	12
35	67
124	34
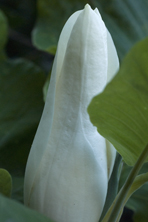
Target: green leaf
130	185
51	18
126	21
12	211
5	183
139	181
138	202
138	205
121	111
21	102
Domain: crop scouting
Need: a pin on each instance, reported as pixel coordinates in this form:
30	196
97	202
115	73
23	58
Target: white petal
113	61
40	144
63	40
113	66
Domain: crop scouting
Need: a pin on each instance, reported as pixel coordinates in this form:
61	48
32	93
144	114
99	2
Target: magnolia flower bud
70	163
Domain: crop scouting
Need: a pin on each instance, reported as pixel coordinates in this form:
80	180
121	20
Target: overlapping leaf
15	212
21	102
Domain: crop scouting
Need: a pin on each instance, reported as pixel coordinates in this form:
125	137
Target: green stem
124	190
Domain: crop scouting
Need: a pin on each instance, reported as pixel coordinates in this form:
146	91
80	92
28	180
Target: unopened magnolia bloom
70	163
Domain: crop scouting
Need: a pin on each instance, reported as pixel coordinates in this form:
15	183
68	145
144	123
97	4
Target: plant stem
124	190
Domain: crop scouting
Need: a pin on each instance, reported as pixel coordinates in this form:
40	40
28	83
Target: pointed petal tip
87	7
97	12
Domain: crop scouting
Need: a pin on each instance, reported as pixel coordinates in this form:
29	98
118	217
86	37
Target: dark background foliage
31	30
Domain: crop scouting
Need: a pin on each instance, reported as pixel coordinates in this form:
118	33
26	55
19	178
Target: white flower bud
70	163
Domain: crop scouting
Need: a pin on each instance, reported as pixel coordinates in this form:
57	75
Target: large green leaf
15	212
121	111
126	20
21	102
